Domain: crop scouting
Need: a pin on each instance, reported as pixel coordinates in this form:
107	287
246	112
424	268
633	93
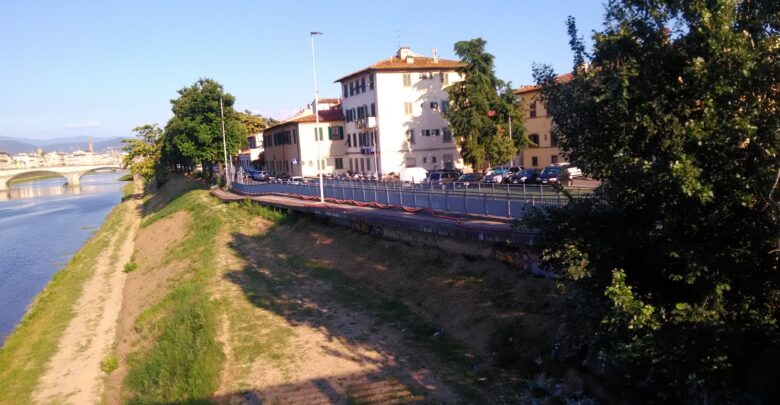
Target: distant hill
19	145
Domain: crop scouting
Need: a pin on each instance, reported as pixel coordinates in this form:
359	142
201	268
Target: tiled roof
330	101
567	77
325	116
396	64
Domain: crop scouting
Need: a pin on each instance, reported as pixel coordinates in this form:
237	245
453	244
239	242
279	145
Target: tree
194	133
144	151
480	107
675	110
255	123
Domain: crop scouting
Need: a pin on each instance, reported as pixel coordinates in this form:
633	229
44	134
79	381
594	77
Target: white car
574	171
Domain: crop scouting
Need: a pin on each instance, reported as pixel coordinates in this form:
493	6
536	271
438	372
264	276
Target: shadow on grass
414	356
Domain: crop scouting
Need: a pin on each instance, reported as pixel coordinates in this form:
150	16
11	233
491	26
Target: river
42	224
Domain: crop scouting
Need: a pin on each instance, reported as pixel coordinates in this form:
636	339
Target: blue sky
99	68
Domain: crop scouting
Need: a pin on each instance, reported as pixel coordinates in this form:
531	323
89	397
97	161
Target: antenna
398	37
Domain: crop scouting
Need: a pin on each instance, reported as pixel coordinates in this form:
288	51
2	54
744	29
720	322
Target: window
368	164
534	161
351	167
433	159
362	165
434	106
407	80
349	141
311	163
354	140
410	135
344	91
408	108
535	139
553	159
363	84
336	133
425	160
436	132
444	105
426	132
371	82
444	78
553	140
411	162
373	110
447	135
252	142
532	109
351	88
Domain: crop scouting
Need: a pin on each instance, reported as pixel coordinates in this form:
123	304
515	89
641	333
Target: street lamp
317	114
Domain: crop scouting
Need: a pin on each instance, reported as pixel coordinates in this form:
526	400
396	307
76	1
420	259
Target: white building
300	147
394	108
252	152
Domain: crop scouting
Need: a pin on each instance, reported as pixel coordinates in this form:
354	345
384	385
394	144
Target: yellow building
537	125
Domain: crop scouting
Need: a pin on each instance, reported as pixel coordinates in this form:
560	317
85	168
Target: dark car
552	175
441	177
468	178
525	176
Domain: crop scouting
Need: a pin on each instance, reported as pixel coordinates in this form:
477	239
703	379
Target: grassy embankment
27	351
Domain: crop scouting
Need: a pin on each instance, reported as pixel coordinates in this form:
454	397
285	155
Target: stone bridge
71	173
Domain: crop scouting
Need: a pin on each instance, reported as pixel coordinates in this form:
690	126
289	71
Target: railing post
508	202
446	200
387	195
524	196
485	201
465	200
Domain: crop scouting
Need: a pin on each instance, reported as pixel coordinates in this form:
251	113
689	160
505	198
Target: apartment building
537	125
247	157
393	114
301	147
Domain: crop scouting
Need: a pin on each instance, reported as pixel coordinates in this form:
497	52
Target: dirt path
74	374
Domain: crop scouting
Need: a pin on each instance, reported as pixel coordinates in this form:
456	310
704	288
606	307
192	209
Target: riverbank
238	303
69	314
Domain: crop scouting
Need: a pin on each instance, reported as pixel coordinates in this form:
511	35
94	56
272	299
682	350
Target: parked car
413	175
441	177
296	180
516	169
553	174
259	175
524	176
468	178
497	175
574	171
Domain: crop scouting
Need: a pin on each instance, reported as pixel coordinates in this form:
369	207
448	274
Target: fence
502	200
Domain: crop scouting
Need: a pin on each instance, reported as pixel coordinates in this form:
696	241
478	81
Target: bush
109	364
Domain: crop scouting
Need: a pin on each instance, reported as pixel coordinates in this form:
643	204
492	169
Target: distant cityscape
41	158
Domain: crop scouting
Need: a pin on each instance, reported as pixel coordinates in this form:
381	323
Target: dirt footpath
74	374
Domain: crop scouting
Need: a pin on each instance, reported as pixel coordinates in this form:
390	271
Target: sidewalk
484	228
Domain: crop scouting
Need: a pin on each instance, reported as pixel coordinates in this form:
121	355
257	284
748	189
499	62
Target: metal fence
502	200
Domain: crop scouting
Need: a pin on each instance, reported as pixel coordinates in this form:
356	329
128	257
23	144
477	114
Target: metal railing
501	200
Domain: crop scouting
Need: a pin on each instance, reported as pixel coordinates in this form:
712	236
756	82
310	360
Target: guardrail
501	200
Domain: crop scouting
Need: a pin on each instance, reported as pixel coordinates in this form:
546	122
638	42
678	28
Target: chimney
435	56
403	52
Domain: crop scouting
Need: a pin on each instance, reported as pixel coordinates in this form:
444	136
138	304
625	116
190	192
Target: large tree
144	151
480	107
255	123
194	133
676	110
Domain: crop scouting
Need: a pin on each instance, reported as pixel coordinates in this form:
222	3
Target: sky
100	68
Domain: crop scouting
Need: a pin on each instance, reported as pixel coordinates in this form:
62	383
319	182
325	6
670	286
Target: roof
567	77
330	101
325	116
396	64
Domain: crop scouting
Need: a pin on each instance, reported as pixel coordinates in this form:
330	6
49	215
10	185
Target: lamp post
317	114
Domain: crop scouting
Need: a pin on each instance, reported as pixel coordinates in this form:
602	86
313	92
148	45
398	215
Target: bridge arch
5	182
72	174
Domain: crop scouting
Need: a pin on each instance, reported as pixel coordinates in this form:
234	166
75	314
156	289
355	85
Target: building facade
249	157
301	147
538	125
393	115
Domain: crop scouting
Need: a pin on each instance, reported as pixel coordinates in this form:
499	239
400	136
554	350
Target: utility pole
317	114
510	137
224	143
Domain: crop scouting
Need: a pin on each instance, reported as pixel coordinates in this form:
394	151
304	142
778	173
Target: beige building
254	149
393	113
537	125
301	147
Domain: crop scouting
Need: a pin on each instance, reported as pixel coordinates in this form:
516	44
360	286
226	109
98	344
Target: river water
42	224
